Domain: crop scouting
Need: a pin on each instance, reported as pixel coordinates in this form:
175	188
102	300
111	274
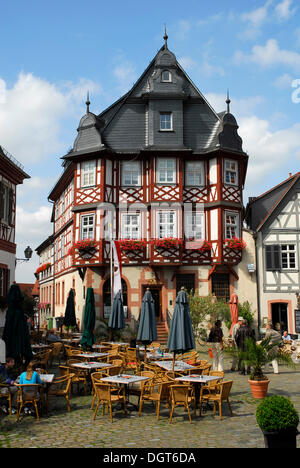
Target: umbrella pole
145	355
173	361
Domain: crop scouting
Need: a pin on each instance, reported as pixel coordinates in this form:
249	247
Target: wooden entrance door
156	294
280	316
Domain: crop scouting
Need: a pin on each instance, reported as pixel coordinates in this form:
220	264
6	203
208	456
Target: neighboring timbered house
11	174
159	163
46	284
275	218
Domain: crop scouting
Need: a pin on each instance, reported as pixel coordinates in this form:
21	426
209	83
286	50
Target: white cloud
269	55
125	74
32	228
187	63
255	20
268	151
239	107
284	81
284	11
31	114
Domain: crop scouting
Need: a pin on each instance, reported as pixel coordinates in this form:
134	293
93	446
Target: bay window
194	228
231	225
88	173
88	226
230	172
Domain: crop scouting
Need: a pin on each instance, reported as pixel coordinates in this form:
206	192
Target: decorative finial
88	103
166	38
228	102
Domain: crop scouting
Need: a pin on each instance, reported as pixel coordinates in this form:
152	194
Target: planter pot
259	388
282	439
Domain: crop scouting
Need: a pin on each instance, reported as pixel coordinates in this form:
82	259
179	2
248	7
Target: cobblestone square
77	428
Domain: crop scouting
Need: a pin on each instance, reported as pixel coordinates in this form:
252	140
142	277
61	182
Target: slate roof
260	209
122	127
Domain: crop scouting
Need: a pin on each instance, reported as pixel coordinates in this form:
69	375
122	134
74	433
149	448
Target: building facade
275	219
163	173
11	174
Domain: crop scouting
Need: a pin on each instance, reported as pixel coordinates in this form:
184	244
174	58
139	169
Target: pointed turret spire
88	103
228	102
166	38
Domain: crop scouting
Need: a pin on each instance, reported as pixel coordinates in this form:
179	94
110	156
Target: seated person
30	376
52	337
5	379
286	336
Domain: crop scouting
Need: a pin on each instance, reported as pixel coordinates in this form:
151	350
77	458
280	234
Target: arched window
166	76
107	297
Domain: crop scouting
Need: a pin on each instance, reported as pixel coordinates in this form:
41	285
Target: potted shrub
257	355
278	420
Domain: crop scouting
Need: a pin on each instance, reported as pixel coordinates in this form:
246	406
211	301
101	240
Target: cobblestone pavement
77	428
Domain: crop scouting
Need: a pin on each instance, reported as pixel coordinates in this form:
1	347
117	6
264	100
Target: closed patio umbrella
147	323
181	336
117	318
16	333
70	315
234	310
89	320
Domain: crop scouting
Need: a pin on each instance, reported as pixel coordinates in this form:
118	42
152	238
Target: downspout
255	236
53	287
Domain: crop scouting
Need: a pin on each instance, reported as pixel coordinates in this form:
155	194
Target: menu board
297	320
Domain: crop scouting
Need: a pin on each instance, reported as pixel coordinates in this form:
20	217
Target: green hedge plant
276	414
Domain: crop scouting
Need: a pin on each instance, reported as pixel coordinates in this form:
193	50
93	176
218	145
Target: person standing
242	334
216	339
275	337
235	328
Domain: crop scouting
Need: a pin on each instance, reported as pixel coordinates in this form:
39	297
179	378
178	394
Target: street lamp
27	253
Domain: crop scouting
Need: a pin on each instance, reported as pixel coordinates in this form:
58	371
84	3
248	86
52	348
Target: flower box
166	243
200	245
130	245
235	243
86	245
43	267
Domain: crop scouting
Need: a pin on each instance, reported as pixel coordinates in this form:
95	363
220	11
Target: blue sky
52	53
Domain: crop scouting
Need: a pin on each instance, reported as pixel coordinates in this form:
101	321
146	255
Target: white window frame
166	227
170	76
131	167
62	246
164	122
285	249
231	171
236	225
88	169
160	169
194	225
128	226
196	169
86	228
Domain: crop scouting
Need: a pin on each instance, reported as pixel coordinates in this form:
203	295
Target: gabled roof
265	204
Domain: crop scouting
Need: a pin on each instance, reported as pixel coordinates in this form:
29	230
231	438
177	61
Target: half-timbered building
274	217
11	174
158	164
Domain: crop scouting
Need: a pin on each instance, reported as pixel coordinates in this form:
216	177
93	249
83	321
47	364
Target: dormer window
166	121
166	76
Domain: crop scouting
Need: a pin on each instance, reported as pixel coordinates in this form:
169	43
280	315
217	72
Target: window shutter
10	206
2	202
273	257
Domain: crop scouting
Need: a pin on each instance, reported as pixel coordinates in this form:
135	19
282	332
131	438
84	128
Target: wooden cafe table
198	380
126	380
